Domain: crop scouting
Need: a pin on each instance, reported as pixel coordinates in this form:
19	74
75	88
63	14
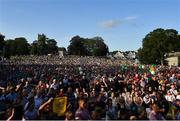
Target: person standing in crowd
69	116
163	104
154	114
173	90
70	99
111	111
170	97
30	112
154	83
17	110
82	113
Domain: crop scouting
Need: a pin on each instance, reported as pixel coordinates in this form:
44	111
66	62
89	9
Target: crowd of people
66	60
95	89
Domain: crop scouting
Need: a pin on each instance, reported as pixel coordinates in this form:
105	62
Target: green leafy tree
94	46
84	46
44	46
41	44
2	43
178	44
22	46
76	46
156	44
10	48
18	46
52	46
100	48
34	48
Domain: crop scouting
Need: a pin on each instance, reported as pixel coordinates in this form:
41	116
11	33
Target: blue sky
121	23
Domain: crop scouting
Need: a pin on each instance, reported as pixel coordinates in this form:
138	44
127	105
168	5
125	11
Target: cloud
109	23
130	18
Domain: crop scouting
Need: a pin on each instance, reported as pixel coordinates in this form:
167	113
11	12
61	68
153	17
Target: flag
152	69
59	105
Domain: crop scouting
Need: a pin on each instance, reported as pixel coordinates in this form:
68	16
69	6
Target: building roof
174	54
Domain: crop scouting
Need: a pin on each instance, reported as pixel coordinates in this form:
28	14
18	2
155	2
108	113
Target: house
119	55
173	59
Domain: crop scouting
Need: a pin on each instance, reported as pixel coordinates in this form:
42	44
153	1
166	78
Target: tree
96	46
156	44
22	46
52	46
2	43
41	44
76	46
85	46
44	46
34	48
10	48
100	49
18	46
177	49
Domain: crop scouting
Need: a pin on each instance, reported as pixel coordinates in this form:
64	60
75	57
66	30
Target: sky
121	23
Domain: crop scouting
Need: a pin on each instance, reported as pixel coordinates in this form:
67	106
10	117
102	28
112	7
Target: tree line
44	45
155	46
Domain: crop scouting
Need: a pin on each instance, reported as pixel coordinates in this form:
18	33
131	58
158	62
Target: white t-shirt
170	98
173	91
